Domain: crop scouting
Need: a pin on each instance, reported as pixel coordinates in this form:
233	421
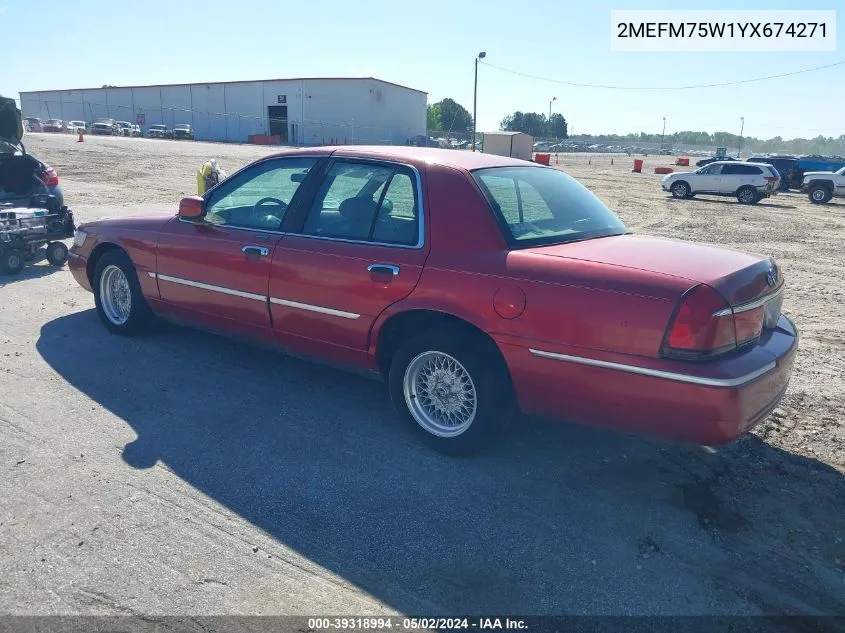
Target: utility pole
481	55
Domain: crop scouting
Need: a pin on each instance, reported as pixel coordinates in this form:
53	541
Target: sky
431	46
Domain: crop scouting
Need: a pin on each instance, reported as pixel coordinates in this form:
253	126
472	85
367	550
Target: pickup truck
821	186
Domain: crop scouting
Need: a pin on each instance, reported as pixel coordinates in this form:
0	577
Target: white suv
748	182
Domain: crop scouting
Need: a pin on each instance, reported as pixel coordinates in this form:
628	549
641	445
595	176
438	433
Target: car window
258	197
544	206
366	202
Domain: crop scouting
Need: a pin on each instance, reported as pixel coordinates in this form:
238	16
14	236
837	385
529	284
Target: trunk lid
11	125
739	277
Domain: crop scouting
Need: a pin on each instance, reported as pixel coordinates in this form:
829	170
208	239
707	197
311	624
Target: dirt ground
133	481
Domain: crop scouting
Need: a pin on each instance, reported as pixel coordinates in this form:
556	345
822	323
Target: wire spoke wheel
440	394
115	295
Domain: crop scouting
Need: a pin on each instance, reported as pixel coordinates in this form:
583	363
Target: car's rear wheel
56	253
747	195
118	297
819	194
452	390
11	261
680	190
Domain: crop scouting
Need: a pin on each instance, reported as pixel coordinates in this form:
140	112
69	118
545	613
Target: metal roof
239	81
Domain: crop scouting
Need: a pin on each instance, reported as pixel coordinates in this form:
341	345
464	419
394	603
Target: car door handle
383	269
263	251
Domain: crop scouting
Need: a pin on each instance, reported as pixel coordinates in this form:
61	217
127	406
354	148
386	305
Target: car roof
461	159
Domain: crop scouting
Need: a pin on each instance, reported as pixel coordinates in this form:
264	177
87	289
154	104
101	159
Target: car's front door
359	247
217	268
707	179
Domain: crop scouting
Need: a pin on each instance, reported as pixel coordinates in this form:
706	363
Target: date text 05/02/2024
415	623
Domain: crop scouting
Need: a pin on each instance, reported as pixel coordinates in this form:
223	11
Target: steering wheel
276	201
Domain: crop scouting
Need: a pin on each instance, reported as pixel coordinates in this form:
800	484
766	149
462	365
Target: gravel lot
186	474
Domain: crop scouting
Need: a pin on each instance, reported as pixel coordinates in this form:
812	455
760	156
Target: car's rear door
359	247
216	270
735	176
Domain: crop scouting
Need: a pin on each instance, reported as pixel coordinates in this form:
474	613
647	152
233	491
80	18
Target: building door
278	116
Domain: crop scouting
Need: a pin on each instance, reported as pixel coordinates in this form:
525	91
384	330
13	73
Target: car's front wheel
118	297
451	388
680	190
747	195
819	194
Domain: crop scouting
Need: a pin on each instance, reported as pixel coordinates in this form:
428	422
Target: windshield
158	127
183	127
538	206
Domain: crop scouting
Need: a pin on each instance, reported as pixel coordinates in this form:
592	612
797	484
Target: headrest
357	209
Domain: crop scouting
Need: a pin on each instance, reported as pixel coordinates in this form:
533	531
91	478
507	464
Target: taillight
703	326
49	177
771	179
749	325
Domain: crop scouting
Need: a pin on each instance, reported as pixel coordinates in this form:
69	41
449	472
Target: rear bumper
704	403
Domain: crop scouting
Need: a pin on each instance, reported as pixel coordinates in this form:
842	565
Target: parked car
713	159
822	186
33	124
183	131
786	166
125	128
159	131
421	266
77	126
748	182
54	125
421	140
25	181
107	127
135	130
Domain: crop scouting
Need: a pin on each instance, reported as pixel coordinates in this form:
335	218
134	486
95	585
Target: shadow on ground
558	519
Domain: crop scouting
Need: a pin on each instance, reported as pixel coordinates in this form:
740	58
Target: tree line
450	117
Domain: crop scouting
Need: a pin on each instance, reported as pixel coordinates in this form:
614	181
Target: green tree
432	117
453	116
557	127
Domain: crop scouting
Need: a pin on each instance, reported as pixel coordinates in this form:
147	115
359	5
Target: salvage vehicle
748	182
822	186
476	285
159	131
183	131
105	126
786	166
32	212
54	125
33	124
75	127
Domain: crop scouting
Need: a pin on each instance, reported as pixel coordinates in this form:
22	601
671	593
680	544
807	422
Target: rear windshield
537	206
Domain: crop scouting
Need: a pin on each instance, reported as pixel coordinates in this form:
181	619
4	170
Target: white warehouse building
308	111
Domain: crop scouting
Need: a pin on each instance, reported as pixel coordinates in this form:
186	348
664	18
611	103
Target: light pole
481	55
550	114
663	133
741	130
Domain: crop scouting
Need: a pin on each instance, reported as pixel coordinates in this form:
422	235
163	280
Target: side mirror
191	208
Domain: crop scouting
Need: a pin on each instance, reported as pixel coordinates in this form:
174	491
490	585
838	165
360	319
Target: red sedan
475	285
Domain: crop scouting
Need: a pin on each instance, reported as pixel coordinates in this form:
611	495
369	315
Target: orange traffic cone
80	139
